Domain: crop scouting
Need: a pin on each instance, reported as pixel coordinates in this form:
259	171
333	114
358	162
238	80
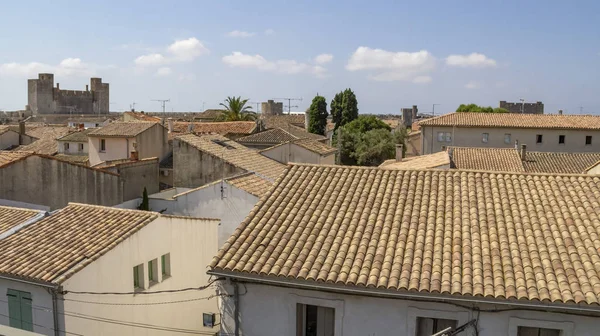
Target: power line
163	102
289	102
41	326
144	304
142	293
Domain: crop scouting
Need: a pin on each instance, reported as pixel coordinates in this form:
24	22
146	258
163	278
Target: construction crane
289	102
163	102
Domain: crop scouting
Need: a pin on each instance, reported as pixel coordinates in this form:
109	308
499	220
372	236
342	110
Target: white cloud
163	72
422	79
392	66
180	51
150	60
269	32
288	67
472	85
475	60
323	58
187	50
239	33
187	77
66	68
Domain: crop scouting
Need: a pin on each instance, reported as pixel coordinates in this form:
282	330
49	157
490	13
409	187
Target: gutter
17	228
557	307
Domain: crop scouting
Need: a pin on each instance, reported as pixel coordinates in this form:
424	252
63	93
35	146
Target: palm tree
236	110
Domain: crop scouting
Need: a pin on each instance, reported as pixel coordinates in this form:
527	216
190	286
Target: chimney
443	148
399	155
58	86
523	152
162	121
142	112
560	112
517	144
170	125
21	127
82	126
190	127
134	156
87	88
306	120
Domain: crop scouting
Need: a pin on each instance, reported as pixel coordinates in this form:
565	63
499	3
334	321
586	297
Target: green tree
317	115
368	141
145	205
344	109
335	108
477	108
236	110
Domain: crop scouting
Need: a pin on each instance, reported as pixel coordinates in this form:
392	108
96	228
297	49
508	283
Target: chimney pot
399	155
170	125
134	155
87	87
560	112
443	148
58	86
523	152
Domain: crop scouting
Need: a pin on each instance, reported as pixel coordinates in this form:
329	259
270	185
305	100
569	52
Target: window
80	147
165	264
152	271
538	139
102	145
19	309
561	139
66	146
485	137
427	326
314	320
138	277
441	137
588	139
507	138
448	137
533	331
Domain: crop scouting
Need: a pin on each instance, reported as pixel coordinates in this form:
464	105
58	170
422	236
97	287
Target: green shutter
150	272
136	279
162	264
20	310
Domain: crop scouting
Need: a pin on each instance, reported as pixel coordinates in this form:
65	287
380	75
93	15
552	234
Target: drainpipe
236	302
55	310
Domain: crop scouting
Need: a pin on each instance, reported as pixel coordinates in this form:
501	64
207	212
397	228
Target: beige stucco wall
73	148
595	170
116	148
472	137
153	142
9	139
191	243
294	153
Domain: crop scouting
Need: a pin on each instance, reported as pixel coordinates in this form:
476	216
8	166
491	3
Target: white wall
41	305
294	153
73	148
363	315
191	243
116	148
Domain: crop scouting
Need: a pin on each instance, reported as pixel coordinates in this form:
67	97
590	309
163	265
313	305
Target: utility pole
289	102
433	109
163	102
132	107
522	105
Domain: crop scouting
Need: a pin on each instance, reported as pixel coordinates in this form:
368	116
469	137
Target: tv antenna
163	102
132	107
289	102
256	105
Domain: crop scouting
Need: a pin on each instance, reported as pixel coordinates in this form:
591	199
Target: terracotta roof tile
8	157
419	162
142	116
122	129
11	217
315	146
79	136
78	159
223	128
509	159
235	154
456	233
54	248
251	183
46	135
515	120
270	136
283	121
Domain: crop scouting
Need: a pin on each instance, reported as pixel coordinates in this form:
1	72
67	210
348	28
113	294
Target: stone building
44	98
528	108
271	108
409	115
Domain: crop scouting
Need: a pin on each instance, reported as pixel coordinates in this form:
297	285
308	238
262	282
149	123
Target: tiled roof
315	146
121	129
4	129
210	114
492	159
515	120
251	183
509	159
79	159
235	154
454	233
223	128
46	135
419	162
11	217
283	121
8	157
301	133
56	247
270	136
142	116
79	136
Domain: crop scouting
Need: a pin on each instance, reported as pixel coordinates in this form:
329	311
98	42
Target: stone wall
271	108
136	176
528	108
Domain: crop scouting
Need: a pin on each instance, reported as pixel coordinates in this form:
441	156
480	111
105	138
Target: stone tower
271	108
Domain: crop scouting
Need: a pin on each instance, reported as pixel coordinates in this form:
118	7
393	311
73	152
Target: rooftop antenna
132	106
256	105
581	109
289	102
163	102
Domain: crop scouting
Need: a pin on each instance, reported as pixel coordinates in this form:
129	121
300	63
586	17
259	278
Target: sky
393	54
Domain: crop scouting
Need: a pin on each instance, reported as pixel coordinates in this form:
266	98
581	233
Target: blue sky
393	54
